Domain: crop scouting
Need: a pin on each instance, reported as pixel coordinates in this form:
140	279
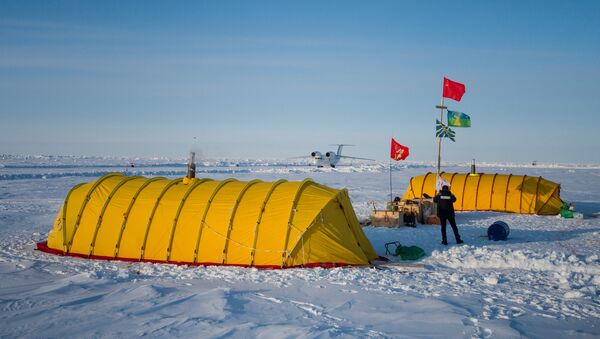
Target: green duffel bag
409	252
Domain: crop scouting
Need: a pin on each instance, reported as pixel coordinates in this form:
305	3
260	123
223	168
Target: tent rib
423	184
64	215
129	207
477	190
452	178
259	219
521	198
506	192
285	255
492	189
179	209
537	191
151	217
232	216
462	198
104	207
84	204
411	187
201	226
344	192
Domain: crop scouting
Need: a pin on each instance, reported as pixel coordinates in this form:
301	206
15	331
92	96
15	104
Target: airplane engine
316	155
330	155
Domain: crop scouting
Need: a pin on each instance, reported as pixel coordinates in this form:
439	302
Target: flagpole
391	199
439	157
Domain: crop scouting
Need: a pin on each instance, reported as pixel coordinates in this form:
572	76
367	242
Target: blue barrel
498	231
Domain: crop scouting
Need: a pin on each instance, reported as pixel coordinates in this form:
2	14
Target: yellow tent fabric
493	192
206	222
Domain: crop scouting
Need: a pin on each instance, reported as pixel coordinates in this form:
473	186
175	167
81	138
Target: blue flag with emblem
443	131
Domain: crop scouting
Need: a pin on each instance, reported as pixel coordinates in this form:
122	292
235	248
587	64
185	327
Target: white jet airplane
331	158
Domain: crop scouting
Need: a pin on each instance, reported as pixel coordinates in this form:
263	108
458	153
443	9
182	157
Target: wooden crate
383	218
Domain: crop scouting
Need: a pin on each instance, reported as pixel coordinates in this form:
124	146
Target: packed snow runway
544	282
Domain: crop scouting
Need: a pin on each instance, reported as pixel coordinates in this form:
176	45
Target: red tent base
43	246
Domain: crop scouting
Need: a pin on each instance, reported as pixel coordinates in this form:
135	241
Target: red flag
398	152
453	90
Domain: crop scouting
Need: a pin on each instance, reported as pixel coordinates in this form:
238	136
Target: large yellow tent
493	192
207	222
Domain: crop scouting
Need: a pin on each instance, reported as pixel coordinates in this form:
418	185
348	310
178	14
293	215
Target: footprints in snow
337	324
480	332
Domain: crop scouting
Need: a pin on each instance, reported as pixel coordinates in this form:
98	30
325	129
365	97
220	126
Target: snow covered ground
544	282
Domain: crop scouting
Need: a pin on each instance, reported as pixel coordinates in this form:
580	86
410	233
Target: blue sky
264	79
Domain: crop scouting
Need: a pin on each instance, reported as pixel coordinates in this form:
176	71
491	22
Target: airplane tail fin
340	146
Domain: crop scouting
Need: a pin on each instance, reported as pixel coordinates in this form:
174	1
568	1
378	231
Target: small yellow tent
493	192
206	222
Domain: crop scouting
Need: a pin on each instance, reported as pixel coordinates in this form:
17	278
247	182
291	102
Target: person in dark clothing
445	210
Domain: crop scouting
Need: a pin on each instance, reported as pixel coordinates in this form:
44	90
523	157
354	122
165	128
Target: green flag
458	119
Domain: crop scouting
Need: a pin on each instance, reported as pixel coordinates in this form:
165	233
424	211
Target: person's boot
444	242
459	241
